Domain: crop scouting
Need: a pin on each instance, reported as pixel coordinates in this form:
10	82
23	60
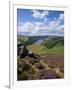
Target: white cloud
52	27
28	26
39	15
54	24
38	28
61	17
25	27
60	28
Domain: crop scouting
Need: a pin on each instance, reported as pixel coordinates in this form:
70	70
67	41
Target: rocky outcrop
23	52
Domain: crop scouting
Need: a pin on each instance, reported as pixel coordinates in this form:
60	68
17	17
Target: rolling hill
43	44
53	42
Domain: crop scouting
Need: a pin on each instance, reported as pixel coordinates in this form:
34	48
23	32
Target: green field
39	49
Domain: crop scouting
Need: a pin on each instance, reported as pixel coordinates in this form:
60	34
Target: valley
47	61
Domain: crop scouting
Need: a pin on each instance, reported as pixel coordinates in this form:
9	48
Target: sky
35	22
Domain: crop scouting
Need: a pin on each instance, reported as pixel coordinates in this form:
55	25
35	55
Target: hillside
43	44
53	42
38	39
50	58
39	49
21	39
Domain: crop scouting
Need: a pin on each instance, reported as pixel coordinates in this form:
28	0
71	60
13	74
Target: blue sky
32	22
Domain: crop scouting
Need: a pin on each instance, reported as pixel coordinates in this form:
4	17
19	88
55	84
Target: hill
53	42
39	49
43	44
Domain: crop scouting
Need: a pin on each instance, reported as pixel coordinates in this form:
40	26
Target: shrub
24	76
31	71
48	75
22	66
26	67
33	61
39	66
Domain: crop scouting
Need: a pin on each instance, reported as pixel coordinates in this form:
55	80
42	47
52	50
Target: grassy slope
21	39
57	49
39	49
53	42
